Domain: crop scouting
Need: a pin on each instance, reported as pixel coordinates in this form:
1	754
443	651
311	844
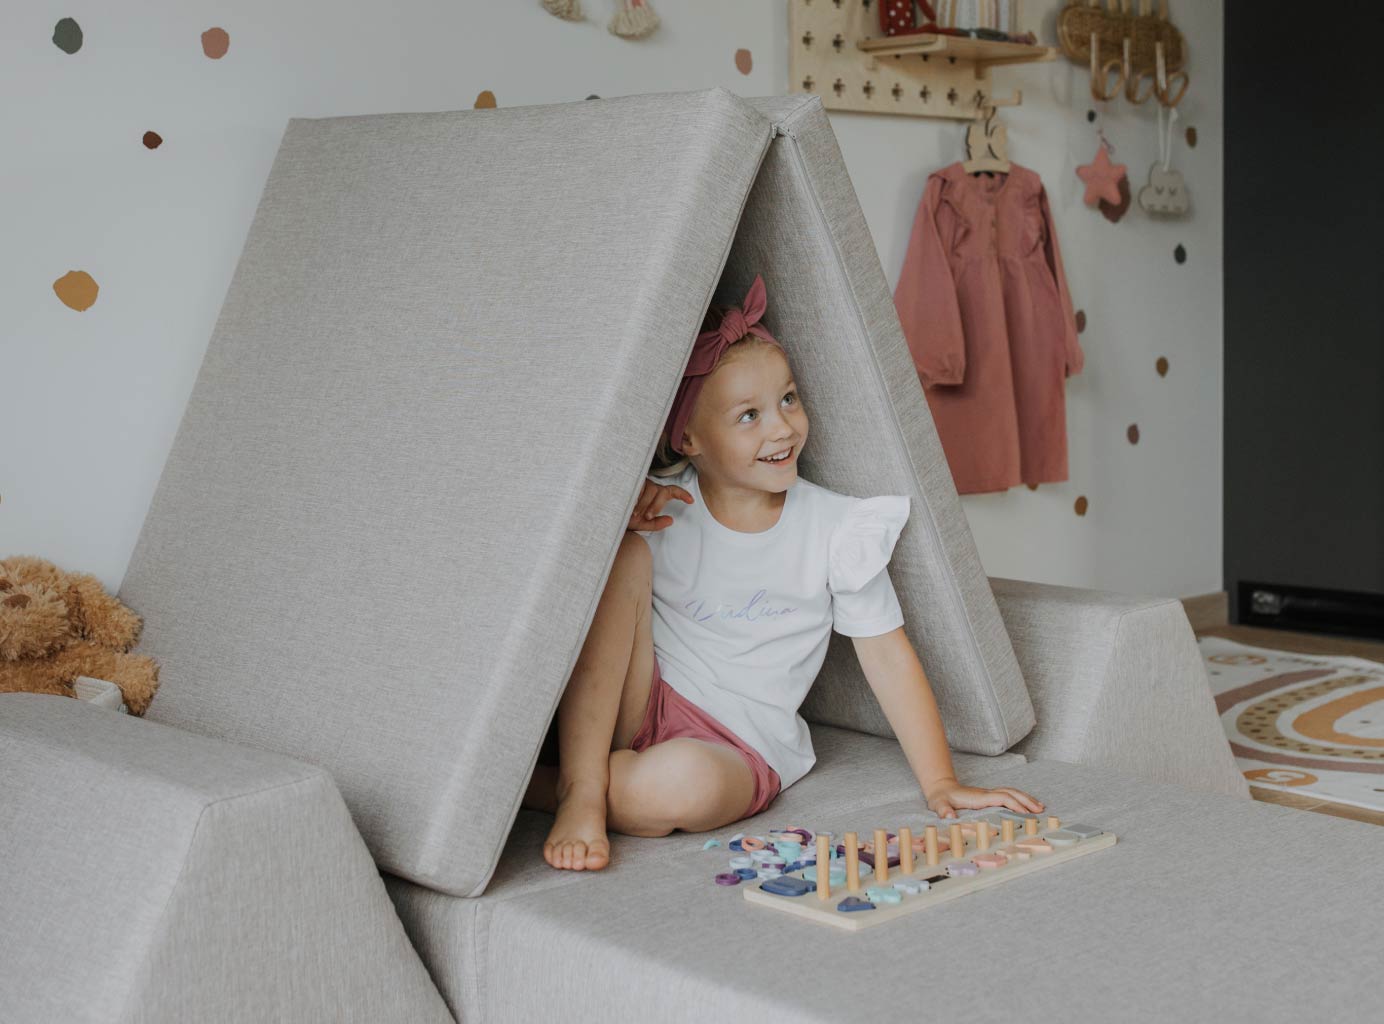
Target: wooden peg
1054	823
1007	831
852	863
982	835
958	842
906	850
881	852
930	845
823	866
1030	826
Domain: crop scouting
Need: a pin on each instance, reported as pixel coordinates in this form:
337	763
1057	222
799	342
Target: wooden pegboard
918	75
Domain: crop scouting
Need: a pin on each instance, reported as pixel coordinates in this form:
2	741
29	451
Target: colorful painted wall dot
77	290
1081	505
743	61
1080	321
215	43
1192	135
152	140
485	101
1162	366
1033	487
1180	254
1133	433
67	35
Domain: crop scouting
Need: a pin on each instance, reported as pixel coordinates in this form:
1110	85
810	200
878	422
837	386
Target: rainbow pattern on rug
1302	723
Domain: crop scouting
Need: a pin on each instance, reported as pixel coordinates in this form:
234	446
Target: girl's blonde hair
668	462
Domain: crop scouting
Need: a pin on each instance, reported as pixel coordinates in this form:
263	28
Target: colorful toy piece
854	903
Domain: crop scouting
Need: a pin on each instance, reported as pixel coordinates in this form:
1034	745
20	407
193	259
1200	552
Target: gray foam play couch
391	506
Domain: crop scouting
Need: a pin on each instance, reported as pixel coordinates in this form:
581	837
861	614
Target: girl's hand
948	794
646	510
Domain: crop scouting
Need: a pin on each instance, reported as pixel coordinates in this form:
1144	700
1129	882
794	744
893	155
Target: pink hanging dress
984	305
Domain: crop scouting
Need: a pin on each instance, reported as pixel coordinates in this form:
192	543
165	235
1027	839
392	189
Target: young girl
681	712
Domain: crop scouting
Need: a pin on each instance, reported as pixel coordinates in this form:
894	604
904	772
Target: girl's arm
896	676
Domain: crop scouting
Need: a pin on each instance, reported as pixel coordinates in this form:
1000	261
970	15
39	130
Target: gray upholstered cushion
417	436
154	875
451	934
871	433
438	378
1118	681
1208	908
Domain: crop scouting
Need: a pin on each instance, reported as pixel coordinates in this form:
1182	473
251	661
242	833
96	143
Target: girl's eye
747	412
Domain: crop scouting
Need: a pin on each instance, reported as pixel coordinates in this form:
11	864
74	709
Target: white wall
92	399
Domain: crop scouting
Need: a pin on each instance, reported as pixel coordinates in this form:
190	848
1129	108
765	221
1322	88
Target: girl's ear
689	446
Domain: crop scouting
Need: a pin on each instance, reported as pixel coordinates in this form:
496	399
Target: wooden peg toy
1054	823
912	889
1007	831
1030	826
881	852
823	866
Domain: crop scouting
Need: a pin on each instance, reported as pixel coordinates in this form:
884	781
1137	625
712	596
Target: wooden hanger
987	142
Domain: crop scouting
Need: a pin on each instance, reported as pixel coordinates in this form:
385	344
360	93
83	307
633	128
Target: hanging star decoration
1102	178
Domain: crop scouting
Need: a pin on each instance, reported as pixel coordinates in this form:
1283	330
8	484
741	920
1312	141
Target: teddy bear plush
56	626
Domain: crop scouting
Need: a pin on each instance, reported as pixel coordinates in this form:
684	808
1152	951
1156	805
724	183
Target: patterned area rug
1302	723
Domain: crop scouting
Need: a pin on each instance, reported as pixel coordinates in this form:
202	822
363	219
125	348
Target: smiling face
748	409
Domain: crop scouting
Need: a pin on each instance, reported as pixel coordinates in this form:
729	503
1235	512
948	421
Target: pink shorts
670	714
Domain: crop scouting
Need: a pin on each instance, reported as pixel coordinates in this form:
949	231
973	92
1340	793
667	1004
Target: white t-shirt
741	620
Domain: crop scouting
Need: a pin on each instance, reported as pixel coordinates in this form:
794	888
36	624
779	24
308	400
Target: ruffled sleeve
863	599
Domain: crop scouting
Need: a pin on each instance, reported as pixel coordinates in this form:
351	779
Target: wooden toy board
810	906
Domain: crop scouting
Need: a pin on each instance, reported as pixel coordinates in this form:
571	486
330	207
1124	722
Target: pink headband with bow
707	351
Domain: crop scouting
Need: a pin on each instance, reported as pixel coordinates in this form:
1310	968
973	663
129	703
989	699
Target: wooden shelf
980	52
835	52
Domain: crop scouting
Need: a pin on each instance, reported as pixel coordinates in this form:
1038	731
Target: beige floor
1304	643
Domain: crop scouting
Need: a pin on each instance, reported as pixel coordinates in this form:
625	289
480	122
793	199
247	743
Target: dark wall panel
1304	297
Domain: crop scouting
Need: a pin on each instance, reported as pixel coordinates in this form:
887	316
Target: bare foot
578	840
